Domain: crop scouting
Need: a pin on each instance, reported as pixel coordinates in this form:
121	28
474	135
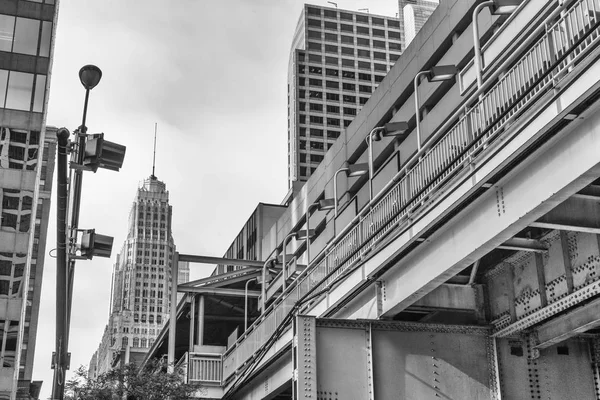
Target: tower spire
154	155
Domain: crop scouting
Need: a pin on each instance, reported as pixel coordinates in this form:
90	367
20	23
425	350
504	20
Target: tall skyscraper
413	15
141	280
27	152
337	59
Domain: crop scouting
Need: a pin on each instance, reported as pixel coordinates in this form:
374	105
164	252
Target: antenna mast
154	155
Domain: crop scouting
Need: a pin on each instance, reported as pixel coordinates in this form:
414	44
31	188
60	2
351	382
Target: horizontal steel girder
522	244
218	260
217	291
569	325
452	297
227	278
576	214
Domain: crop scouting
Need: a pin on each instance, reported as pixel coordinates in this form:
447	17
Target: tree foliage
130	382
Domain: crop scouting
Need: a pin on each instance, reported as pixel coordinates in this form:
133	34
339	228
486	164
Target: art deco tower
141	280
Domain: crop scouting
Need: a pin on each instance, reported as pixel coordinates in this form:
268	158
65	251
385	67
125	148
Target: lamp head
442	73
503	7
326	204
302	234
357	170
399	128
89	75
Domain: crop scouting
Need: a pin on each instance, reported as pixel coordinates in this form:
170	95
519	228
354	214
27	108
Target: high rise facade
337	59
27	153
140	295
413	15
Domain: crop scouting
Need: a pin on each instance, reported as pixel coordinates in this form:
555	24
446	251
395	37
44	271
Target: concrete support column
200	317
192	321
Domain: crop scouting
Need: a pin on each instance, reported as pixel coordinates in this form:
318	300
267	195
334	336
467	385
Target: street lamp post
390	129
436	74
351	171
498	7
321	205
103	154
299	235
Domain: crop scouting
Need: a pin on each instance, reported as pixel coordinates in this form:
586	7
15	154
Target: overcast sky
213	75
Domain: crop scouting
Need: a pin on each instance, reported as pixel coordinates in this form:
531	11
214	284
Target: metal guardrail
540	67
204	368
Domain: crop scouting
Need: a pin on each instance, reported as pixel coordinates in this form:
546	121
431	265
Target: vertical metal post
77	184
246	304
476	44
173	311
417	106
335	193
59	362
370	146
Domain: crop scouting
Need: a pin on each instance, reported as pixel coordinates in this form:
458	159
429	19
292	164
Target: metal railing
545	62
204	368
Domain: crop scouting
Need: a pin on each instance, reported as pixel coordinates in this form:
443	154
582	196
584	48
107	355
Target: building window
314	22
348	51
348	74
331	25
331	72
346	16
315	82
333	109
364	53
313	94
315	70
346	28
333	122
349	111
379	55
394	46
377	21
332	84
316	145
362	42
364	65
314	46
330	48
380	67
333	97
381	32
362	30
316	132
316	107
331	37
316	119
23	35
314	34
316	158
392	35
379	44
364	89
349	99
333	134
349	86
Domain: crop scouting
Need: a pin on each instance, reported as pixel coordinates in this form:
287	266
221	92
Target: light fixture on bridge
438	73
497	7
399	128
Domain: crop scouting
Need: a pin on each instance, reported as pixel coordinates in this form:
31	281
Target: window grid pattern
346	56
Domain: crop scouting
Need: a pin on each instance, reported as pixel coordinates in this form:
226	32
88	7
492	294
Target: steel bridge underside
513	240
